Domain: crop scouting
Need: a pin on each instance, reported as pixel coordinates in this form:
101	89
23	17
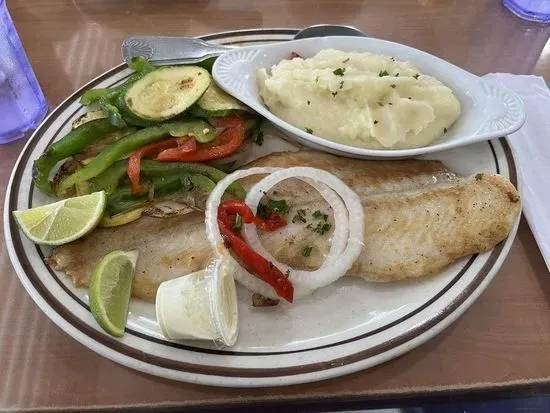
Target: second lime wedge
110	289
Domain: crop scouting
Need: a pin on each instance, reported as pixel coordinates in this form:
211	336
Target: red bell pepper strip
228	121
181	144
254	262
227	142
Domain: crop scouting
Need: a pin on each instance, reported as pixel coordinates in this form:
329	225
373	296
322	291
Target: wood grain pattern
503	340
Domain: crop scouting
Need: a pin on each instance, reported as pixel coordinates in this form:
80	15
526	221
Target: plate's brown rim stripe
509	160
497	167
290	370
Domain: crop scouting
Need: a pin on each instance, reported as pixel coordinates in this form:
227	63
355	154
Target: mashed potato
359	99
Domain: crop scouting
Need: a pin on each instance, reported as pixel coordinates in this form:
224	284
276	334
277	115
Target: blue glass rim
523	12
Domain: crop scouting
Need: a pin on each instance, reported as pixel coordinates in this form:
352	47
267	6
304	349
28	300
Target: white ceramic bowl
488	111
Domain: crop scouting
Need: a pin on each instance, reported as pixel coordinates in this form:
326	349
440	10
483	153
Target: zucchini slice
215	103
88	117
166	92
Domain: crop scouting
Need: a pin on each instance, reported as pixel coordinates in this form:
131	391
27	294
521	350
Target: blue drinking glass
533	10
22	103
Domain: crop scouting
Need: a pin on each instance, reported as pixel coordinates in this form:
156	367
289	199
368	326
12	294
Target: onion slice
337	262
347	239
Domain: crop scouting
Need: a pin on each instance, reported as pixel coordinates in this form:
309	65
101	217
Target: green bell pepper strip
127	144
113	114
72	143
202	183
108	180
161	187
104	95
122	200
92	96
140	65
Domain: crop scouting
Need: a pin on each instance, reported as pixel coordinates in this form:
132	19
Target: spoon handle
166	50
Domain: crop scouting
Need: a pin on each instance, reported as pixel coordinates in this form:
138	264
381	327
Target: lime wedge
62	221
110	289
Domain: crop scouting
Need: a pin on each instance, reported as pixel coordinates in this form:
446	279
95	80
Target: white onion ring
347	237
337	263
250	281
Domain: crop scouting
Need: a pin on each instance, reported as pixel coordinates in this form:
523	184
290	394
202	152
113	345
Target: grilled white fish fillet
419	217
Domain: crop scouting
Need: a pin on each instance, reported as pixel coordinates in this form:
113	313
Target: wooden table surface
502	341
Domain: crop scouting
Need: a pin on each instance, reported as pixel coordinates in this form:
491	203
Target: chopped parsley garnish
341	84
309	130
340	71
263	211
321	227
397	74
317	79
334	93
300	216
380	104
345	60
389	103
393	85
306	251
287	273
279	206
259	138
375	122
383	73
416	76
444	130
479	177
319	214
392	59
410	98
308	102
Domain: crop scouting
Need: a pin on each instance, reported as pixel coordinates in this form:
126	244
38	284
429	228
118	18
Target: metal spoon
324	30
165	50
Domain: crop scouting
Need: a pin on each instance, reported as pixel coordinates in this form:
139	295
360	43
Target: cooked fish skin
419	217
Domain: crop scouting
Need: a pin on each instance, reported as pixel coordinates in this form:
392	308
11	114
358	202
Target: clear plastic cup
532	10
200	306
22	103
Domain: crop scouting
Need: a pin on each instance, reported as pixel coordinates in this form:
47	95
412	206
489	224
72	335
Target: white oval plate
488	111
316	338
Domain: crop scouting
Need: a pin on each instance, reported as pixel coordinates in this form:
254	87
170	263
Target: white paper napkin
531	145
